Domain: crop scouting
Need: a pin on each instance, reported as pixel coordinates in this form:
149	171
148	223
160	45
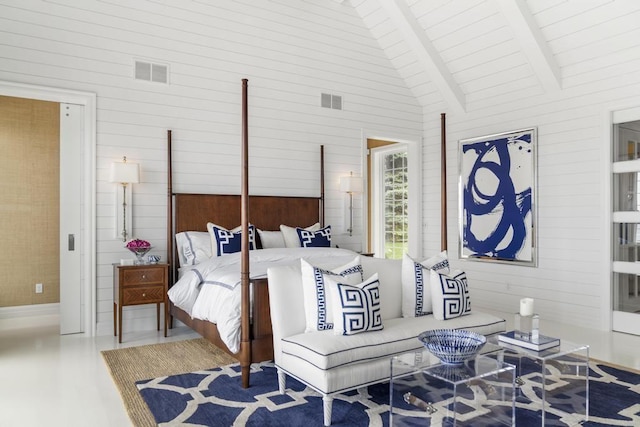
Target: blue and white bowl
452	346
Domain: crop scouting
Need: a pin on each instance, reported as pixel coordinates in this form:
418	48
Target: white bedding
211	290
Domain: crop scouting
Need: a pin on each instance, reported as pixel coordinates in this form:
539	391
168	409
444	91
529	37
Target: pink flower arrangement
138	244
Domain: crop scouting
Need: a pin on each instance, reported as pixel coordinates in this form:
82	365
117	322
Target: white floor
52	380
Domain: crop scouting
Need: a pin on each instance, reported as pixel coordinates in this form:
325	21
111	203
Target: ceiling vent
151	72
328	100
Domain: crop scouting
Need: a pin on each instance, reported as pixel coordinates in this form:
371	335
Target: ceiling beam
532	42
426	53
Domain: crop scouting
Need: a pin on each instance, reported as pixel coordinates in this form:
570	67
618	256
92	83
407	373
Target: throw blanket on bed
211	290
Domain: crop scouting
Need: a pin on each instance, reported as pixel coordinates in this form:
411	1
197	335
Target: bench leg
327	405
282	379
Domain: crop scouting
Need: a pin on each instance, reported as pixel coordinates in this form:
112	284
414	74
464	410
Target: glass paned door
390	201
626	227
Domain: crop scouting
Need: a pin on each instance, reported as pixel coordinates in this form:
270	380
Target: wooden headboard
193	211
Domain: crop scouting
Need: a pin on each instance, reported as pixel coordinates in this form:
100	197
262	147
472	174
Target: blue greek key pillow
317	302
450	294
225	241
416	283
315	239
357	308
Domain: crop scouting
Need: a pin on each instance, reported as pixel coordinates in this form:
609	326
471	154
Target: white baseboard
27	316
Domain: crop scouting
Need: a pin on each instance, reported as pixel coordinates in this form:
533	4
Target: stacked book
542	342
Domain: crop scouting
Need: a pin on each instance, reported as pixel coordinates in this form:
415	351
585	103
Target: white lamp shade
351	184
124	172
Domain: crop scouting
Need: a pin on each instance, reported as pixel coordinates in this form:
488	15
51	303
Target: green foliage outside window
395	203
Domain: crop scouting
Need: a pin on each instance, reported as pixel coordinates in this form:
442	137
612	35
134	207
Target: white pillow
317	303
416	291
356	308
193	247
291	239
450	295
271	239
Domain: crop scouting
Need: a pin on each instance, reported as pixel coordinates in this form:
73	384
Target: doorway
77	113
389	201
393	189
625	252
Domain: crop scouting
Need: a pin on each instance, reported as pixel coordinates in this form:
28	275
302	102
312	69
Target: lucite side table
483	388
557	377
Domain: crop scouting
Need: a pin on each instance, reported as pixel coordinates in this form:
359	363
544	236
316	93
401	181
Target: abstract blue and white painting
497	189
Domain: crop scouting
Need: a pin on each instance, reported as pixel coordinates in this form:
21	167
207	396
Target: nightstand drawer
142	295
143	276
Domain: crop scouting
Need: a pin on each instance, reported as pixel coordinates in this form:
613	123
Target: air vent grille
328	100
151	72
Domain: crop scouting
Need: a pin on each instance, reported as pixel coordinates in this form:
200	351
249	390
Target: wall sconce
351	184
124	173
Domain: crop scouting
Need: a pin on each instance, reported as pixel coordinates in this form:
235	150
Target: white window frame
414	157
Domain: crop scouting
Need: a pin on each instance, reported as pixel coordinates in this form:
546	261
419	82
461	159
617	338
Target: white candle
526	307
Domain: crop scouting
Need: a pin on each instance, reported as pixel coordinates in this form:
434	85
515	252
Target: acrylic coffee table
558	378
423	387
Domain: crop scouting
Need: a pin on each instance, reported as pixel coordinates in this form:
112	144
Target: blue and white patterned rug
215	398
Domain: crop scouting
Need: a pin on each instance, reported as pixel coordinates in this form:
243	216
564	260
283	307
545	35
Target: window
389	200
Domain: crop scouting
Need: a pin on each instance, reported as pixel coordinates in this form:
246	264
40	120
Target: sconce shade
351	184
124	172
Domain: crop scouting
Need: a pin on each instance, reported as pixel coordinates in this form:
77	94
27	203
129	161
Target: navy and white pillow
450	293
416	283
317	303
315	239
290	235
225	241
356	307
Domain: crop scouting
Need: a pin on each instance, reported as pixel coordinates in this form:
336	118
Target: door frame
414	158
615	320
377	205
88	238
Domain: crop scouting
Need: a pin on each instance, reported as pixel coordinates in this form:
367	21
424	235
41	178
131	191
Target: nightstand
136	285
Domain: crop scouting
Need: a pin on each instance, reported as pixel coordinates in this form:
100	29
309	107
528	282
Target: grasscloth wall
29	194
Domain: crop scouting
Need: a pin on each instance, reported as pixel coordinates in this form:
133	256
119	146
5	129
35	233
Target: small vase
140	253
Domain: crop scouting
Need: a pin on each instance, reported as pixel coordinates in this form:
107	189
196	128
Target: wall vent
328	100
151	72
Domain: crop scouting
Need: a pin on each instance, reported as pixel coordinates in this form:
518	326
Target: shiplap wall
596	45
291	52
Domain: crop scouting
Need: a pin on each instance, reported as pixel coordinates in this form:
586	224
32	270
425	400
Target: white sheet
211	290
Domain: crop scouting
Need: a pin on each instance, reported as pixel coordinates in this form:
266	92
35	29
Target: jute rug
128	365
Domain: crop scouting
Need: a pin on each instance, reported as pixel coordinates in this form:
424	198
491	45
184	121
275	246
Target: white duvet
211	290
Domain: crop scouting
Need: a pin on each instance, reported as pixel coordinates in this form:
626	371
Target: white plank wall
291	52
597	48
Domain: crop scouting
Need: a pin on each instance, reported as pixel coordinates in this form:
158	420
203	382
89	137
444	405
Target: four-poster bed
192	212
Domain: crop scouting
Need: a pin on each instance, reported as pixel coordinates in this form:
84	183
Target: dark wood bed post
170	252
245	344
443	183
322	185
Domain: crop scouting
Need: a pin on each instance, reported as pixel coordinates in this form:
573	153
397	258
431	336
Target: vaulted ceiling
461	55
